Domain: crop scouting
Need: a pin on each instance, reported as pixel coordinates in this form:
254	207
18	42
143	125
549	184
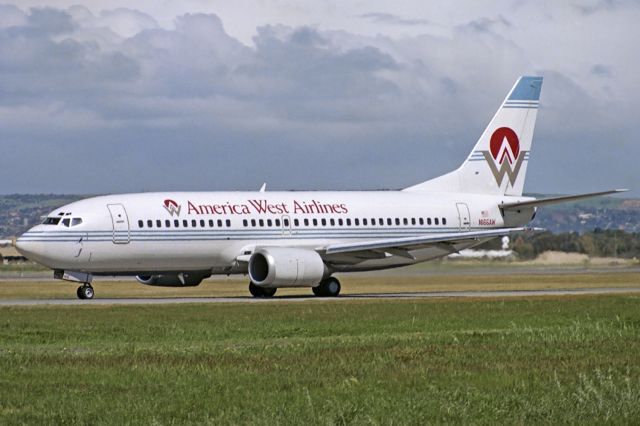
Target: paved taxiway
381	296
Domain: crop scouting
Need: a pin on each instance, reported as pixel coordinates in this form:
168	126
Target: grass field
539	360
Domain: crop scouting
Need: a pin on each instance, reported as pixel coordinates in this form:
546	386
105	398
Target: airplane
300	239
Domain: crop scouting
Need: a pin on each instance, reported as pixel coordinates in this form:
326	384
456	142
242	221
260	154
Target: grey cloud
391	19
134	106
486	25
601	70
50	21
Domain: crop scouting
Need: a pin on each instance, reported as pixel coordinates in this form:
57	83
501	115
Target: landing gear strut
329	287
257	291
85	291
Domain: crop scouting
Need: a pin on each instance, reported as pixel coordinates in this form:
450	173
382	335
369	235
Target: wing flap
395	245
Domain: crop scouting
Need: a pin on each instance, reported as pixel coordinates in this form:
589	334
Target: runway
347	297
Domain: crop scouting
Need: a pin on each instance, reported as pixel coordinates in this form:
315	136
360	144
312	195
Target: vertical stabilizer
498	162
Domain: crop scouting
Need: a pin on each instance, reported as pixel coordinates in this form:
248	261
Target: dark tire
87	292
79	293
269	292
257	291
329	287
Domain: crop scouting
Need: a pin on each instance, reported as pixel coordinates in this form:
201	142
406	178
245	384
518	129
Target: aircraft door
464	218
120	223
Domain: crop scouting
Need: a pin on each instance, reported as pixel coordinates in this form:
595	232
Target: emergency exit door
120	223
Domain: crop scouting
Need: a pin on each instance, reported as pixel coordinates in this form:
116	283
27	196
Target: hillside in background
603	213
19	212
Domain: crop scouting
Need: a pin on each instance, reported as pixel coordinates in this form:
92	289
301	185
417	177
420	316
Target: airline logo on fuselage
172	207
504	156
257	206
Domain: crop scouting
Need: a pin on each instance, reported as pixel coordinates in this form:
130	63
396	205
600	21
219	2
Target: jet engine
186	279
286	267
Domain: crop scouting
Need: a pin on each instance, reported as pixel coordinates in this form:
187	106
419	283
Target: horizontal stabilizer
557	200
415	243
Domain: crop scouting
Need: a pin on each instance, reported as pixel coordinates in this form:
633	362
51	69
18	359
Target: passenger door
464	218
120	223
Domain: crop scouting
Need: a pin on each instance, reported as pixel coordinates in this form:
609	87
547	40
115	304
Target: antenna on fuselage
263	188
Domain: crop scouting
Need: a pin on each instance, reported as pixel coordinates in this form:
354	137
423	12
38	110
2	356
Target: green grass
541	360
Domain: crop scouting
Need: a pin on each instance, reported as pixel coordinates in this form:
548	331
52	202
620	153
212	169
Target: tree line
597	243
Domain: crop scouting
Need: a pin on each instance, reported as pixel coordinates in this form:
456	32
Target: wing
403	246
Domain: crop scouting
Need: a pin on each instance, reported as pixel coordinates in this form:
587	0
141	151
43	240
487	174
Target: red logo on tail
504	145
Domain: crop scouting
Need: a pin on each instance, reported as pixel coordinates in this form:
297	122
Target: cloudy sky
122	96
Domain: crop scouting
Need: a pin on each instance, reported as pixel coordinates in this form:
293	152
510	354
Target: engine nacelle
186	279
286	267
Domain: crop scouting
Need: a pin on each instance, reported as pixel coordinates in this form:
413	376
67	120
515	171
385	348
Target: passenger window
413	220
140	224
261	222
244	222
286	222
380	221
219	223
444	220
332	222
269	222
315	222
405	221
348	222
435	221
158	223
421	221
340	222
228	223
193	223
277	222
397	221
185	223
253	222
356	221
210	223
176	223
296	222
66	221
389	222
306	222
167	223
202	223
428	221
150	223
324	222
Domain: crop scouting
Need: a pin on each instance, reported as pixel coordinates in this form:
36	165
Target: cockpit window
66	221
76	221
51	221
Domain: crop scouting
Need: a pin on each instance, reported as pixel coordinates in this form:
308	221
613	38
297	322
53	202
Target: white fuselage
212	231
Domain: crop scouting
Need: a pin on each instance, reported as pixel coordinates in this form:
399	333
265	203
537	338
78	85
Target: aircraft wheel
257	291
329	287
85	292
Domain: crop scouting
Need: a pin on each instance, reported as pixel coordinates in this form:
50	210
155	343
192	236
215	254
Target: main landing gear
85	291
329	287
257	291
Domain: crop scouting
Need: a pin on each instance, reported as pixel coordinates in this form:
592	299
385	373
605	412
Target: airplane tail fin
498	162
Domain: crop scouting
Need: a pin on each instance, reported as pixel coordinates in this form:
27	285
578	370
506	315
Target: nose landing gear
85	291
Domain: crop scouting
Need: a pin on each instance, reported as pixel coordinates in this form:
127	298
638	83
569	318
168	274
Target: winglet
263	188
